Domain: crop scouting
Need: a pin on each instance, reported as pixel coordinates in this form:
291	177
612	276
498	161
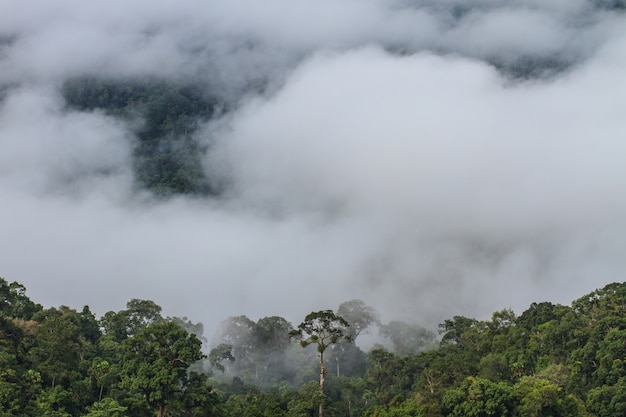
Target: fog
431	158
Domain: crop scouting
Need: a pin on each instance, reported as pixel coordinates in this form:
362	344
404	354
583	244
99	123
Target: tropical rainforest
432	157
550	360
194	172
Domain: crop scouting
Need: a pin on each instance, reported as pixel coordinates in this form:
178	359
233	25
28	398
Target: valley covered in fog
433	158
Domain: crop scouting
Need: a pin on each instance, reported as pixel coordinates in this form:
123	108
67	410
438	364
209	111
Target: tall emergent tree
322	328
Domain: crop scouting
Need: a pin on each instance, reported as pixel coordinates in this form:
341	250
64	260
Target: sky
396	154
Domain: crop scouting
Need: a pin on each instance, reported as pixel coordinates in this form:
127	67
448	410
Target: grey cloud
371	150
44	147
194	38
442	157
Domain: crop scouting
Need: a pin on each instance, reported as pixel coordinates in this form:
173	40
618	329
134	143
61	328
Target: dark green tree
608	400
14	302
156	363
478	397
464	332
138	315
59	346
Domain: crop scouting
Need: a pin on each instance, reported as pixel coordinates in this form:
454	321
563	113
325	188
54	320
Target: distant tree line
552	360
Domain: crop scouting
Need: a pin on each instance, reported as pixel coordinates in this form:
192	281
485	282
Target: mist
431	158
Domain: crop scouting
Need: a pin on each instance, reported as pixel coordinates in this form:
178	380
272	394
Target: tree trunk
430	380
322	378
161	411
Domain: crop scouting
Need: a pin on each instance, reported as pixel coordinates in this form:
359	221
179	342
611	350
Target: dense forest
551	360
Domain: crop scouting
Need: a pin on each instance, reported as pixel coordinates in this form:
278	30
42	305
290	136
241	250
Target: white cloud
422	182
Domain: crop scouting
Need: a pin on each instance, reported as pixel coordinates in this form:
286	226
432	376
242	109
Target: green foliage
138	315
398	408
272	333
155	364
478	397
52	402
608	400
321	328
388	375
14	302
463	332
537	396
353	393
307	401
60	348
255	404
9	383
495	367
536	315
552	360
108	407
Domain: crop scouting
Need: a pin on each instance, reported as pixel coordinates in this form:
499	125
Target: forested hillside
551	360
166	157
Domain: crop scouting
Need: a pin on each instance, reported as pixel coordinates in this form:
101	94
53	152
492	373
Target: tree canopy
550	360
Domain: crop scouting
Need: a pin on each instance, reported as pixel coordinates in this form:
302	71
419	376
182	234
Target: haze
431	158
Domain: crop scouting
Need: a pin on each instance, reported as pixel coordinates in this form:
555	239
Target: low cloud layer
383	150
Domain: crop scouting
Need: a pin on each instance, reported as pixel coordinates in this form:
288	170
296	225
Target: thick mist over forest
431	158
